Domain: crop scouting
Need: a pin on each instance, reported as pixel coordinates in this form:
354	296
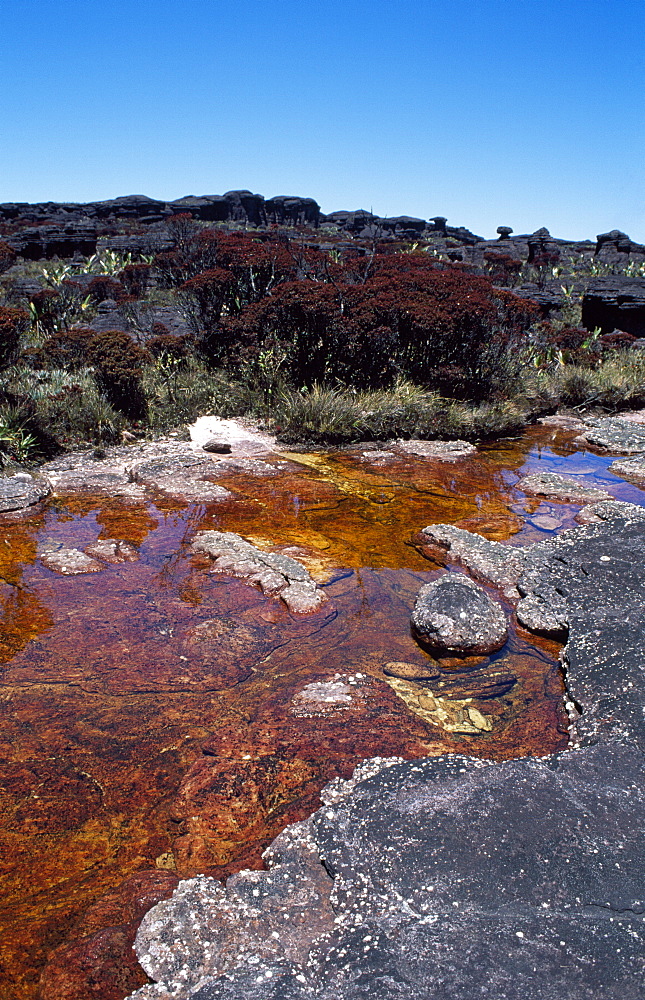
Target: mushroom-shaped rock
504	232
456	615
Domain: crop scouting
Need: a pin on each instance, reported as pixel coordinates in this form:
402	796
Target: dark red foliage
169	345
118	362
502	268
394	314
617	339
7	256
13	322
103	287
69	349
136	278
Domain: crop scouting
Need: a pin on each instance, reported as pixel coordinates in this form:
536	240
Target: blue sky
490	112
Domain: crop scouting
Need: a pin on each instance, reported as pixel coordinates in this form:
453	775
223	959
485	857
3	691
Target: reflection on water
152	713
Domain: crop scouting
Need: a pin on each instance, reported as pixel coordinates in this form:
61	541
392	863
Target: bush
118	365
8	256
13	323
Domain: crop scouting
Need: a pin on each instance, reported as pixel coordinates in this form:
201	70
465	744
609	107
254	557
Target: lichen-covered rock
449	873
445	450
630	468
186	477
626	437
275	573
487	560
556	487
112	550
456	615
21	491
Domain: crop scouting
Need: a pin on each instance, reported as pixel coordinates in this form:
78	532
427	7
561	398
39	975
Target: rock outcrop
21	491
275	573
452	876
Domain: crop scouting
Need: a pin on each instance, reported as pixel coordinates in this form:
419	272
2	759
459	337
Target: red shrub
13	322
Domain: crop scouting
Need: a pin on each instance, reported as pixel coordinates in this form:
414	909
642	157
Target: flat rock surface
630	468
556	487
452	878
446	450
21	491
455	614
70	562
275	573
618	434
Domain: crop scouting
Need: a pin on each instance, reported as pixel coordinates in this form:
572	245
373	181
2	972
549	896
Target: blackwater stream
123	747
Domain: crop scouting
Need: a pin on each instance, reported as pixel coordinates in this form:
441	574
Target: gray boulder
453	614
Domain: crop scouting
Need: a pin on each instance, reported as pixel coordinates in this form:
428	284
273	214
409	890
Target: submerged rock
70	562
454	614
555	487
112	550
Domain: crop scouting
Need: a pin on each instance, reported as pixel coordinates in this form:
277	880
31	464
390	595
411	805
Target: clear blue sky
489	112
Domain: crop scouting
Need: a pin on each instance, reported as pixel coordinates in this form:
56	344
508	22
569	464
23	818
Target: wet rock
454	614
275	573
446	450
320	698
448	873
271	916
21	491
70	562
545	522
596	512
186	477
615	434
556	487
112	550
564	422
630	468
412	671
487	560
491	682
217	447
451	714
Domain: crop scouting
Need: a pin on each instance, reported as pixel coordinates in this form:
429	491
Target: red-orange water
104	715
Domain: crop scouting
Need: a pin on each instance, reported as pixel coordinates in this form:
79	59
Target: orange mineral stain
155	715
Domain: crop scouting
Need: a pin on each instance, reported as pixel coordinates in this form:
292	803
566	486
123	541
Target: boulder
287	210
454	614
615	302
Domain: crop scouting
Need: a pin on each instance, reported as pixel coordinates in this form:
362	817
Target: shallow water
124	746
